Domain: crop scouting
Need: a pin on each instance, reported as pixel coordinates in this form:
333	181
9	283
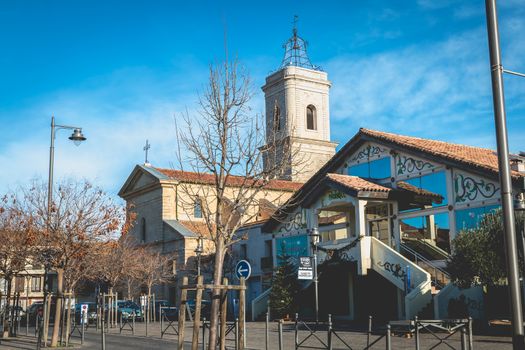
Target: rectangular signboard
305	271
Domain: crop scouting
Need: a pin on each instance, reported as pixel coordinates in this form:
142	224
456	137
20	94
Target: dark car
37	308
15	311
91	312
128	308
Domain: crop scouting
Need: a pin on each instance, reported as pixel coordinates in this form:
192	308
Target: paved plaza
256	339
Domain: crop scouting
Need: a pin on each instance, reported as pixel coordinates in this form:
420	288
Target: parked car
127	308
37	308
16	311
92	312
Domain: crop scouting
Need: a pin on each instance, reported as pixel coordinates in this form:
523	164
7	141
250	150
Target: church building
168	203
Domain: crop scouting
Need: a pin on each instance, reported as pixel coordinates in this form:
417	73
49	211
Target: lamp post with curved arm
77	137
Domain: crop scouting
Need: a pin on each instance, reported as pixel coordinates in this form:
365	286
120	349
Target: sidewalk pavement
256	339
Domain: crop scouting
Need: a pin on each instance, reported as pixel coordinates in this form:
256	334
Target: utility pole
518	342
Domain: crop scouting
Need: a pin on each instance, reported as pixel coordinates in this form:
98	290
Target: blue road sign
243	269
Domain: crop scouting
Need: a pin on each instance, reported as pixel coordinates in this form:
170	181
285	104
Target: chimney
518	163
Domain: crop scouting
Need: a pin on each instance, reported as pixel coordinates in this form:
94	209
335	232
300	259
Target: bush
478	255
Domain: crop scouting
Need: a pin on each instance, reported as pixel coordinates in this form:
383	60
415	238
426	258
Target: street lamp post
199	250
314	236
509	229
519	207
77	137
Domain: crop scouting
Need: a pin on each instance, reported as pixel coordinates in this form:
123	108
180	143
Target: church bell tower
298	111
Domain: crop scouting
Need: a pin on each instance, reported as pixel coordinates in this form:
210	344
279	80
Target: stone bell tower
298	111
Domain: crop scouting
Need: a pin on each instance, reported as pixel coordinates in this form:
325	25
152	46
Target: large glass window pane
380	169
435	183
361	170
470	217
376	169
291	246
434	229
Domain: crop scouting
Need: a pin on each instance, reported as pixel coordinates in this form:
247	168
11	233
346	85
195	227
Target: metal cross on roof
146	149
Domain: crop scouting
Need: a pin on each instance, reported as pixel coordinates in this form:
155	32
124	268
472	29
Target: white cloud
117	113
439	90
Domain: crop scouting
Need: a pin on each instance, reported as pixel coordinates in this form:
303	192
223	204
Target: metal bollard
296	330
388	339
417	332
369	331
204	333
133	331
281	334
329	335
82	334
161	322
236	334
267	335
120	321
463	338
103	332
470	340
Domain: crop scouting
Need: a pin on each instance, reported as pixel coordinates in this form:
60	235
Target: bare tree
117	261
17	241
241	154
80	216
153	270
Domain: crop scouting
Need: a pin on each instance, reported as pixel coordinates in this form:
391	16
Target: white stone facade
290	92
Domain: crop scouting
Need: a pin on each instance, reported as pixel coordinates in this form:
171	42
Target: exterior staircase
371	253
436	268
260	304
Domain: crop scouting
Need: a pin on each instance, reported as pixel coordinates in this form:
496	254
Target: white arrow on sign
243	269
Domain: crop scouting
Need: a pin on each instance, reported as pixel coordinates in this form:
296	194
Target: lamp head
199	250
314	235
77	137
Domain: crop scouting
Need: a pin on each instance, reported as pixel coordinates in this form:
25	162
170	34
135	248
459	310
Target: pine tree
284	289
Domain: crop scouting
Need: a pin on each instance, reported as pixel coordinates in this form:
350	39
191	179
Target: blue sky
123	70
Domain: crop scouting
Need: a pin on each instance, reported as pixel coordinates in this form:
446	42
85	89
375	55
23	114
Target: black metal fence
329	335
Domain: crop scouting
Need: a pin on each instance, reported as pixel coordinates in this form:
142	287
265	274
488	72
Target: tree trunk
58	309
129	288
5	332
68	317
216	295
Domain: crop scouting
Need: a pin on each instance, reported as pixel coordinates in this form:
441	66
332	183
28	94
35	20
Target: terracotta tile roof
483	158
356	183
359	184
234	181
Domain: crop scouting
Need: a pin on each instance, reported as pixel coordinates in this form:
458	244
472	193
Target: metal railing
434	269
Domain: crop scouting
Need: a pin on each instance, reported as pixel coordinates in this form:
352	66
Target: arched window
143	230
277	118
311	118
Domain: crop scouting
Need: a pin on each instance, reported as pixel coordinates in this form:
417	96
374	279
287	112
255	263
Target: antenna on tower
295	51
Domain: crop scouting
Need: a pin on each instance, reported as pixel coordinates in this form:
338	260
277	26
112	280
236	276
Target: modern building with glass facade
387	207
